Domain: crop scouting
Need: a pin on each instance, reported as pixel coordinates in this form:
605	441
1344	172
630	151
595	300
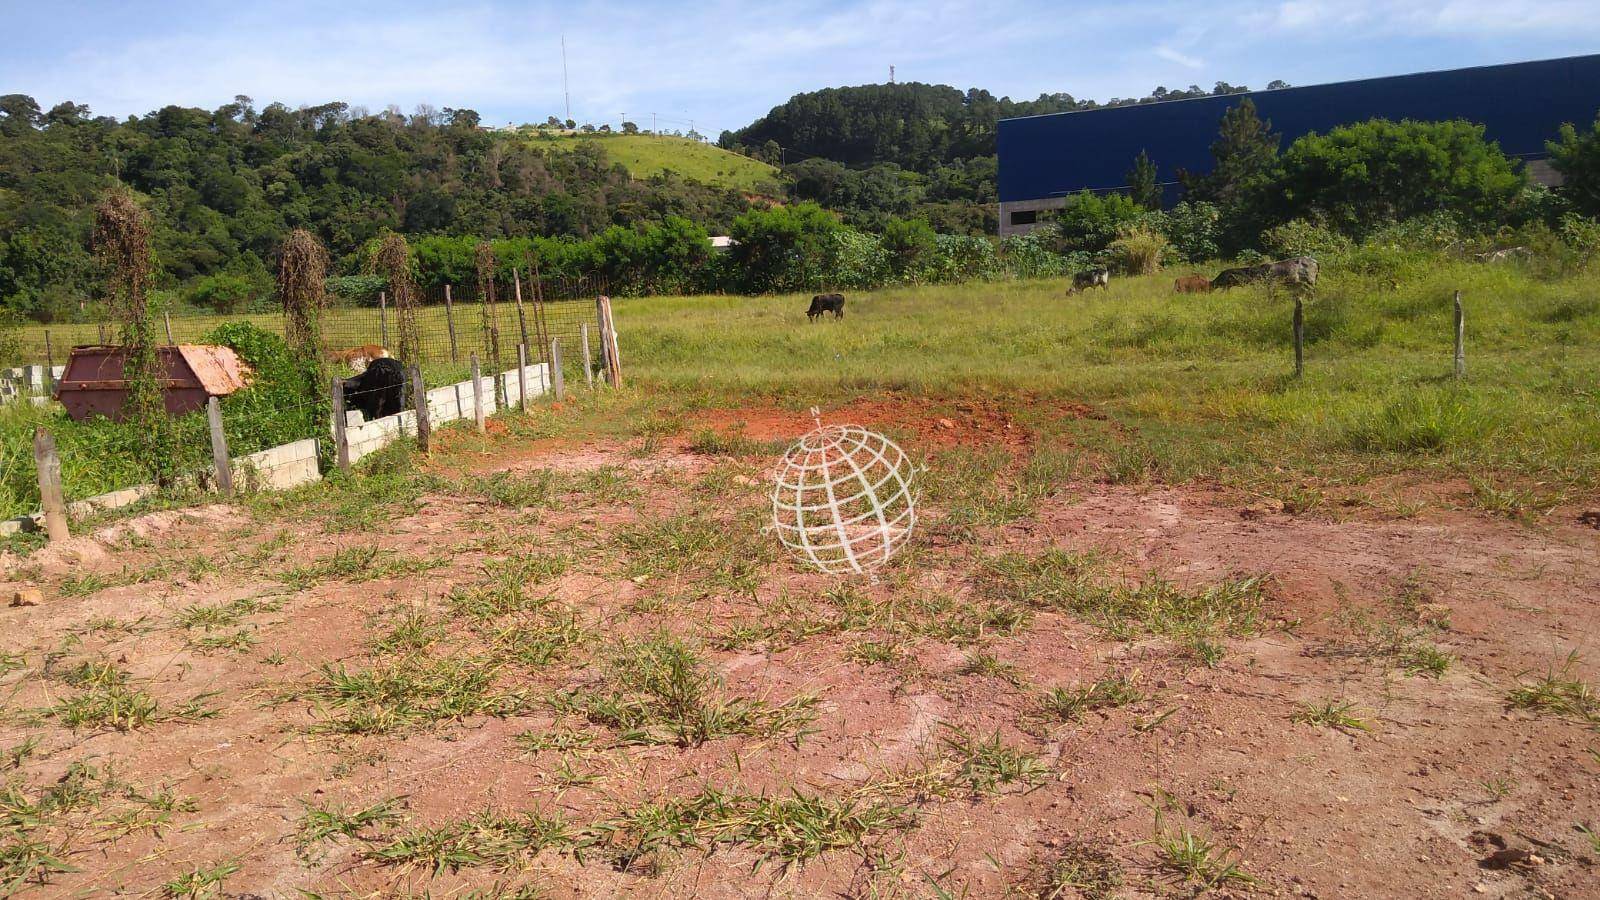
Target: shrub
1090	222
910	245
1194	230
1032	255
1299	237
965	258
1138	250
1363	175
223	293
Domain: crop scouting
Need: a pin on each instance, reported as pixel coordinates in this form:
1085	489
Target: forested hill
913	125
879	151
223	186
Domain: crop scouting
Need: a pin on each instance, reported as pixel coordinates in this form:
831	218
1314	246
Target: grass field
1188	386
645	155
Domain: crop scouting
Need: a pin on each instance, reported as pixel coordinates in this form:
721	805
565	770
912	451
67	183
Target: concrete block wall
445	404
291	465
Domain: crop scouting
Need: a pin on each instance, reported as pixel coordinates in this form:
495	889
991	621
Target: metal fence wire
452	324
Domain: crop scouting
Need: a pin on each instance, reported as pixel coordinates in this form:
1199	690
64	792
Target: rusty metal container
94	382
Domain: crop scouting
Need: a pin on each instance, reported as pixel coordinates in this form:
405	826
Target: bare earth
1444	774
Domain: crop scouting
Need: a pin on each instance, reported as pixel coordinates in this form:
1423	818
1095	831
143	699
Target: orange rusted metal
94	382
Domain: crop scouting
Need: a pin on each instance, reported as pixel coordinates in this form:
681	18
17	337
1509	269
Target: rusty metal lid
219	369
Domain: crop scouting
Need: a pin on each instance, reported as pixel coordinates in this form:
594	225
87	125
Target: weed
200	881
1192	858
1498	787
105	700
709	442
486	838
224	615
237	642
1521	505
1425	659
663	692
11	662
319	824
13	757
1067	704
869	652
1081	870
567	739
1331	714
984	765
357	563
410	691
983	663
1558	692
1593	837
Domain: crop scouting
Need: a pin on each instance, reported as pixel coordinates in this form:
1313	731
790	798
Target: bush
225	293
1139	250
1090	222
1032	255
1359	177
358	290
1195	230
784	248
857	261
910	245
965	258
1298	237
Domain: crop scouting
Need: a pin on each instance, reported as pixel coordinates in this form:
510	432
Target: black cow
377	392
822	304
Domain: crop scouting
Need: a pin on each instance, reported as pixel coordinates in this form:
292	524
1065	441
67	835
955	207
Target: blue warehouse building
1044	159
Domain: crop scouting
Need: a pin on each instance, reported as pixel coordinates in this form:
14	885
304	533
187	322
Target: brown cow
1192	284
358	358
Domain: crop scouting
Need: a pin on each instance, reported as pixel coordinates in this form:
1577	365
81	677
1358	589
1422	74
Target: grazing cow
1298	270
377	391
1093	278
822	304
358	358
1231	278
1192	284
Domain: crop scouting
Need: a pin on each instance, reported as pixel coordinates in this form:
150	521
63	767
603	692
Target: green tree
1577	157
1359	177
911	245
784	248
1244	151
1090	222
1143	183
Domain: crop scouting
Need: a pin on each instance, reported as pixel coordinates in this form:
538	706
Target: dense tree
223	187
1359	177
1577	157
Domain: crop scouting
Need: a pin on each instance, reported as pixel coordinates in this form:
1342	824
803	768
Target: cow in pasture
358	358
378	391
822	304
1298	271
1093	278
1192	284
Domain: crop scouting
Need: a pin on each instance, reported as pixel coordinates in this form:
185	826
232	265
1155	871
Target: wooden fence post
588	361
1461	338
1299	338
522	317
341	441
49	366
522	377
419	399
608	341
219	447
166	316
477	395
541	326
450	325
102	327
51	500
383	319
558	379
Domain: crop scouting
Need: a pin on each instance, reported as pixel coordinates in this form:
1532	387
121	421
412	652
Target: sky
720	64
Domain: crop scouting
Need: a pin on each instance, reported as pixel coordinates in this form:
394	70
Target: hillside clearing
645	155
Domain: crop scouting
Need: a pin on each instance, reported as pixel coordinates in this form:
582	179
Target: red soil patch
930	424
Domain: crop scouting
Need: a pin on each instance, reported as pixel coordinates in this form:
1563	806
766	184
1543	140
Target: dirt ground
1315	741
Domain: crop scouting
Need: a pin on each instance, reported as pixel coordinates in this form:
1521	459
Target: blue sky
722	63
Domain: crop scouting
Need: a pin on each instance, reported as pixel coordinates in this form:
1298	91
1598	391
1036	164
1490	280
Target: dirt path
929	687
